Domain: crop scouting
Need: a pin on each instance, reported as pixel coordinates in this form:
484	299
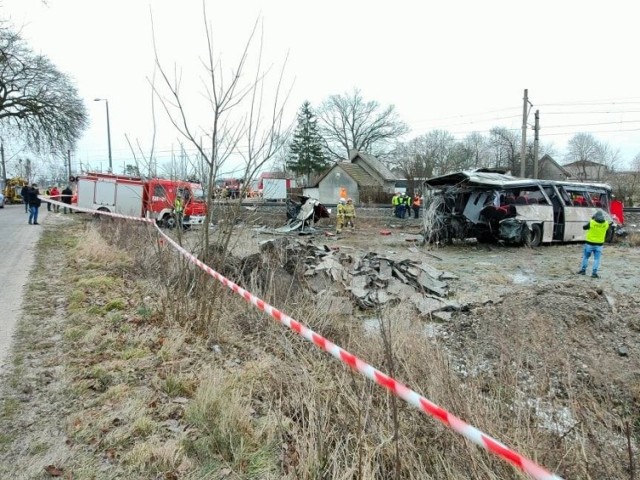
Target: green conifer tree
306	153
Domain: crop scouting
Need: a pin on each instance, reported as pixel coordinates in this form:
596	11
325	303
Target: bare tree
626	184
505	146
349	122
590	159
478	149
241	125
434	153
37	101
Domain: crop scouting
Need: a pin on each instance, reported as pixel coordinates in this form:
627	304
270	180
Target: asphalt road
18	247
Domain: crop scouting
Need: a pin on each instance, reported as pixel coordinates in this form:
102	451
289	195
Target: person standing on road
47	192
24	193
34	204
178	208
594	241
403	204
66	197
340	215
349	214
55	195
395	201
416	205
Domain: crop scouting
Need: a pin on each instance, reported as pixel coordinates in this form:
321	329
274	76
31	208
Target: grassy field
128	364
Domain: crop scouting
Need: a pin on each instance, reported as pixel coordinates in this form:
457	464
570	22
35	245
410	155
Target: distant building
361	178
586	170
549	169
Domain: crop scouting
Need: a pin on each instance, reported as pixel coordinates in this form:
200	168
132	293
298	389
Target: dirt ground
568	344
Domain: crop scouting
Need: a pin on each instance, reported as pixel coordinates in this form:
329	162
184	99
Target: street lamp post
106	102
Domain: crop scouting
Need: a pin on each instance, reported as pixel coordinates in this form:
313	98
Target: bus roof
488	178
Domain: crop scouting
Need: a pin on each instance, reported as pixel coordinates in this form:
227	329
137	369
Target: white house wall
331	186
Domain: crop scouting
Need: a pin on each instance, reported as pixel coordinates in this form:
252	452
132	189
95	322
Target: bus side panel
574	220
538	214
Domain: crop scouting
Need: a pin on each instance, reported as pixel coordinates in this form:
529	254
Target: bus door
577	212
558	211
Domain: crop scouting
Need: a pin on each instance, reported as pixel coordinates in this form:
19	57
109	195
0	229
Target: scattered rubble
369	280
300	216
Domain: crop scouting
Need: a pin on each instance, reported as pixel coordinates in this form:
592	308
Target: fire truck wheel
99	217
169	221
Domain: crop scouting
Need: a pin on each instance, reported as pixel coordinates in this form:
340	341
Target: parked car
1	200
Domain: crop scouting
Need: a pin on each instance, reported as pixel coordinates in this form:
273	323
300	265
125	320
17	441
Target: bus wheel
535	236
485	237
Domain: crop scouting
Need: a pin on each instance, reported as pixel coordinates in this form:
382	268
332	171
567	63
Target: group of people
403	204
31	198
346	214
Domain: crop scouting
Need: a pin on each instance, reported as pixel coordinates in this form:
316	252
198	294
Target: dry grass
171	377
633	239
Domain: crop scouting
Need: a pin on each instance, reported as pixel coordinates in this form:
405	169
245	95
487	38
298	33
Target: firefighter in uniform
350	214
178	209
340	215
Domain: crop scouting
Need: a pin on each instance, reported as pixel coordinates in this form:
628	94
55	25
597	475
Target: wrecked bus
492	206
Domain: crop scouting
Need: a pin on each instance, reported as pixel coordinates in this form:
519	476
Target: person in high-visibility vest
340	215
178	208
594	241
417	201
395	201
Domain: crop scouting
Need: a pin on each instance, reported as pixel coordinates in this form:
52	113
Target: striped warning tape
400	390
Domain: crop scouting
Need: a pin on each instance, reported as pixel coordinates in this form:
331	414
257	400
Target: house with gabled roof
586	170
549	169
349	179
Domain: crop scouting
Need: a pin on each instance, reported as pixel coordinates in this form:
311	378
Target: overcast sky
455	65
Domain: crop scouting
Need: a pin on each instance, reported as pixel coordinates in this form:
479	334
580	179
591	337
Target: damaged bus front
492	206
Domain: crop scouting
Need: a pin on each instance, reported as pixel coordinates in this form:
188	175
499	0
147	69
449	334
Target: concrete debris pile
372	280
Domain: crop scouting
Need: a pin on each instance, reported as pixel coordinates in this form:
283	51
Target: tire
101	218
485	237
169	221
535	238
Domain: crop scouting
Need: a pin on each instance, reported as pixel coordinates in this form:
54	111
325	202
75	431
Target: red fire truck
151	198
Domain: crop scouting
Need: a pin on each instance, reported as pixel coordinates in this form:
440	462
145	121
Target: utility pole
523	146
4	166
69	163
535	144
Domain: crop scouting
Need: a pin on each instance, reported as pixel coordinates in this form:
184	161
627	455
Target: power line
593	112
595	131
593	124
432	120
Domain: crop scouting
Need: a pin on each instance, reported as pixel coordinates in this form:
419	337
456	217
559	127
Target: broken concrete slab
434	286
426	305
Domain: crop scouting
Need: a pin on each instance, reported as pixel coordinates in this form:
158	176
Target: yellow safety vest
597	232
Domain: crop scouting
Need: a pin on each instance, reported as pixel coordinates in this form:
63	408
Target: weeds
175	377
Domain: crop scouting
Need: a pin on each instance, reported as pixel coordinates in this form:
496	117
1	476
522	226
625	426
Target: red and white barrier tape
398	389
